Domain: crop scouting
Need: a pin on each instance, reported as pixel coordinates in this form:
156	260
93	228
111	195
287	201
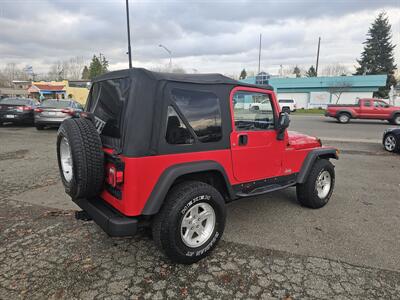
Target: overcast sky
207	36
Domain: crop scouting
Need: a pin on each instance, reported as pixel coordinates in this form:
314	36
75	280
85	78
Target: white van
287	105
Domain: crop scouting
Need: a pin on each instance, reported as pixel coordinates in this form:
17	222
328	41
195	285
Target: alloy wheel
323	184
197	225
390	143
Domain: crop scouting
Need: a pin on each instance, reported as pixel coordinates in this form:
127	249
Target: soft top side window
202	111
177	133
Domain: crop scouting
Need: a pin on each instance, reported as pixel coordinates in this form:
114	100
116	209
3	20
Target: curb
344	140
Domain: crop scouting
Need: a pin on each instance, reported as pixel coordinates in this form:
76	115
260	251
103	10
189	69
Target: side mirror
283	124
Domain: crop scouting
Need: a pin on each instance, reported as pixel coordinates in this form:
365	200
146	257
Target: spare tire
80	158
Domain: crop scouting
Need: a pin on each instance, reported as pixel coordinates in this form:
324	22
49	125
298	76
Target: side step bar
266	189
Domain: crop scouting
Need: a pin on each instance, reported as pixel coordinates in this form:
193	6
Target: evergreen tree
98	66
378	56
85	73
104	63
297	71
311	72
243	74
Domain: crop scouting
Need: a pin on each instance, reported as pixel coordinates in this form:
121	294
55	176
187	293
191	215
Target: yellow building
77	90
74	89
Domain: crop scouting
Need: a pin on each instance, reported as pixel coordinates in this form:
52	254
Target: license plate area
10	116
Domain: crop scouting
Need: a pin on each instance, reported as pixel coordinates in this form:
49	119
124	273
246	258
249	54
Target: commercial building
74	89
314	92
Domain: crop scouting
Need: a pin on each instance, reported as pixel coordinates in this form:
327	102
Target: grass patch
314	111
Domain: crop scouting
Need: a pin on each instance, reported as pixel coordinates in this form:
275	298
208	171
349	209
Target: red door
367	110
382	110
256	153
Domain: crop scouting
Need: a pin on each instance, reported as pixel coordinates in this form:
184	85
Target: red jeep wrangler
170	150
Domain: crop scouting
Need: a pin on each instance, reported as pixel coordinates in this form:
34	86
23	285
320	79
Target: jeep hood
301	141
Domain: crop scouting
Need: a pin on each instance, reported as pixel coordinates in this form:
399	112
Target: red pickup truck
364	109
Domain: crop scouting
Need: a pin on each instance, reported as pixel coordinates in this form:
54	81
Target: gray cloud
218	36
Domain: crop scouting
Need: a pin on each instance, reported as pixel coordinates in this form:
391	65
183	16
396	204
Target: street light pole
129	35
170	55
316	65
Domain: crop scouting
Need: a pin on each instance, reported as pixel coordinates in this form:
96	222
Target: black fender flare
168	177
344	111
311	157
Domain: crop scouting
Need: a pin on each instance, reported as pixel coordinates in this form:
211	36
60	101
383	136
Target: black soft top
133	104
212	78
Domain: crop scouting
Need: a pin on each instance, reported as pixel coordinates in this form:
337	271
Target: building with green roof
310	92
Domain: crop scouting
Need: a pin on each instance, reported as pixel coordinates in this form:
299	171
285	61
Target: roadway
329	129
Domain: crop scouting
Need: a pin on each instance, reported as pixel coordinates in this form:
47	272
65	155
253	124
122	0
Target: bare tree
75	67
10	73
338	88
335	69
56	71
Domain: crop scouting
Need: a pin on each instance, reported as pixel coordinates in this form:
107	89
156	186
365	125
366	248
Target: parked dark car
16	110
52	112
391	139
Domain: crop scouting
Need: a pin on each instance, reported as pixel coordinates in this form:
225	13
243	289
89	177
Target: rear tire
395	120
179	226
80	158
343	118
318	188
286	110
39	127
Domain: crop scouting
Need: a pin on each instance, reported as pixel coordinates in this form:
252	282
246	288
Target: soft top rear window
55	103
106	103
15	101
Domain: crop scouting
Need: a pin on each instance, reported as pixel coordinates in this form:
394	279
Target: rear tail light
68	111
114	177
24	108
38	110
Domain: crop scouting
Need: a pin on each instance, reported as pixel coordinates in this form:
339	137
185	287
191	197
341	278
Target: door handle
243	139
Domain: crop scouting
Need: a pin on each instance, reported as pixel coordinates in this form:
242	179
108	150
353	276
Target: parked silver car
52	112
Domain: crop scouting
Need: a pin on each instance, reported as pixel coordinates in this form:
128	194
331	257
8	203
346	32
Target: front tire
318	188
39	127
190	223
390	143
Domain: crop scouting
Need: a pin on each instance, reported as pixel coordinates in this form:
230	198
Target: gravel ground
46	254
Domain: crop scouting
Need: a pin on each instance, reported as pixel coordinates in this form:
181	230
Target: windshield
15	101
55	103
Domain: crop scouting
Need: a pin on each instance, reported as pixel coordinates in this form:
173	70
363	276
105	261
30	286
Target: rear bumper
49	120
109	219
17	117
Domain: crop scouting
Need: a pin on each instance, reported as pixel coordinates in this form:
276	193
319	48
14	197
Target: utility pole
129	35
259	56
316	66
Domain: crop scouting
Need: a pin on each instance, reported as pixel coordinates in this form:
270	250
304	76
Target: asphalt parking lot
272	248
